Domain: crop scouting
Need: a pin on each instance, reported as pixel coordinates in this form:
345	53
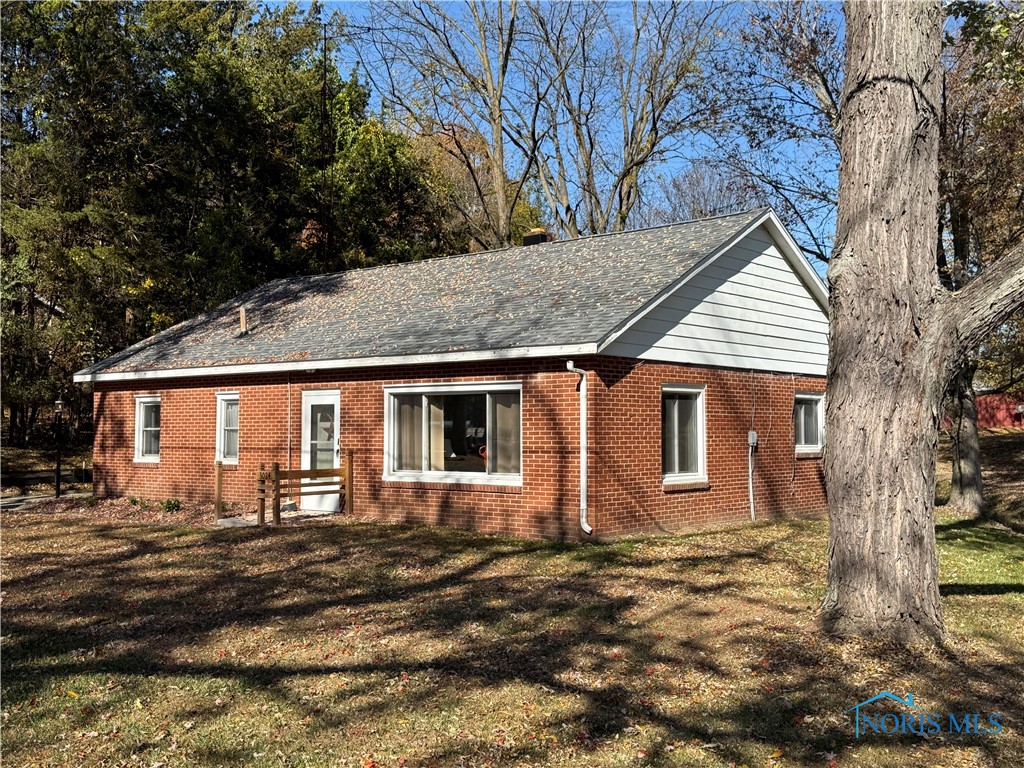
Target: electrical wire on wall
792	439
753	403
289	420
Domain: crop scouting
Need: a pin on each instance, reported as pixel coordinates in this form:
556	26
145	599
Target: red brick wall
626	461
626	494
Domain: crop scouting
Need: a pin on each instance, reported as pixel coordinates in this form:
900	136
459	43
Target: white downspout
751	446
584	524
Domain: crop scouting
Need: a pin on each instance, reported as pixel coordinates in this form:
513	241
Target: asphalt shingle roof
567	292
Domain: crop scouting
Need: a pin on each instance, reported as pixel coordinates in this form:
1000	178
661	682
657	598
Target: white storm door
321	449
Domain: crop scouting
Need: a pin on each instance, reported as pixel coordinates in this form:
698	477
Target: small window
682	434
807	422
227	427
454	433
147	428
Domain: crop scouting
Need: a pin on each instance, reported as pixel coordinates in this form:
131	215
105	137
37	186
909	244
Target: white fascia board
511	353
794	254
791	252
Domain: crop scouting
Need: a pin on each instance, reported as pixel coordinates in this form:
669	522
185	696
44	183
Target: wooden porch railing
276	483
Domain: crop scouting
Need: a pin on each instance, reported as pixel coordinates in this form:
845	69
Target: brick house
587	388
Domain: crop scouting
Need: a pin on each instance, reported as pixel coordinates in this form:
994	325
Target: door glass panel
321	447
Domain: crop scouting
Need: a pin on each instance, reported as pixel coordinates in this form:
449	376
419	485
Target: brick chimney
538	235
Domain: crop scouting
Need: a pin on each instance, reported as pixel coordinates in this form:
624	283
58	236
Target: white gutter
508	353
584	524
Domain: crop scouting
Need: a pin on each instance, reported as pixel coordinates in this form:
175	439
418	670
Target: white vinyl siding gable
747	309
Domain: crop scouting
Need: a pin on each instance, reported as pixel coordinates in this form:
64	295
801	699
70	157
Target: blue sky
357	15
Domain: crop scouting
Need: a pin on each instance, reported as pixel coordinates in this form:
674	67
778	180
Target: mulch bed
130	510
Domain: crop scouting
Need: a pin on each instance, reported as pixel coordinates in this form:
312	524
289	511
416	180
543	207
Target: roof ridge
509	248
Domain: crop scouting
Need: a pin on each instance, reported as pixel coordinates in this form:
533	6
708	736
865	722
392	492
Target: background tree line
159	158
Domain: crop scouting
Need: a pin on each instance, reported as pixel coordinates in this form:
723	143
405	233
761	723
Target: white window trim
701	475
819	399
140	401
222	398
461	478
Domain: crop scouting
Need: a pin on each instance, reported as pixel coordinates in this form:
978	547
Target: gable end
755	305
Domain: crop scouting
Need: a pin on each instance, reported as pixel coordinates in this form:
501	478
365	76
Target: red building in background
1000	410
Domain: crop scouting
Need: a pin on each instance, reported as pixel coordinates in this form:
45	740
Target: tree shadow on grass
981	589
669	645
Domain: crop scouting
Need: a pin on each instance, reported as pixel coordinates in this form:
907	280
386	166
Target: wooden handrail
309	474
276	483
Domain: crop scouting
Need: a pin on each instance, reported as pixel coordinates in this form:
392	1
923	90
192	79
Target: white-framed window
808	421
458	433
683	449
147	428
227	427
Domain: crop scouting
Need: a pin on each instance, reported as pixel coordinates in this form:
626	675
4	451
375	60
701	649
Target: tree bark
896	336
967	492
884	392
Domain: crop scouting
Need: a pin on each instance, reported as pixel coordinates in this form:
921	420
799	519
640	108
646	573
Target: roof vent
536	236
243	327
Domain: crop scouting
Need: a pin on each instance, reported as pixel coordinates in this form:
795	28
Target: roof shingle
561	293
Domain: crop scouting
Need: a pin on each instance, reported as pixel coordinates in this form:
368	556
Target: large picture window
682	434
147	428
807	421
227	427
454	432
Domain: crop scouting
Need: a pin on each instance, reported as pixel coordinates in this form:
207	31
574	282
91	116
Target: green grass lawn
18	460
1002	452
369	645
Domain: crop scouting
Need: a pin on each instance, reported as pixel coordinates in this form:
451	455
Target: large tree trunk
896	336
967	492
16	433
884	389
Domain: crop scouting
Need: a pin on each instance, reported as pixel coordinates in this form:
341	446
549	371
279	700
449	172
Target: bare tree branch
970	314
